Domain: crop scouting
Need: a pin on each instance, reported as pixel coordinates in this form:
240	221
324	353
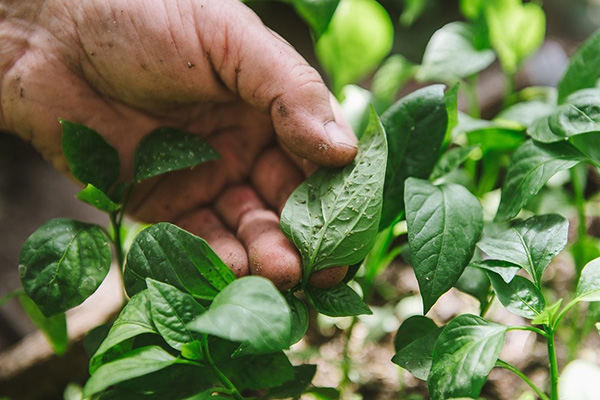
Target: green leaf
515	29
412	11
579	381
453	53
495	138
97	198
530	244
359	37
299	314
464	354
450	161
89	157
171	311
395	71
444	223
532	165
171	255
506	270
303	375
526	112
356	107
580	73
472	9
249	310
333	216
412	329
134	320
63	263
258	371
520	296
417	356
451	98
415	127
317	13
474	282
169	149
134	364
339	301
54	328
548	315
588	287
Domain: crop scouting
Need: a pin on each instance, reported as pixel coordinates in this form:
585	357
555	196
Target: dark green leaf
444	223
520	296
96	197
169	149
359	37
63	263
532	165
415	127
171	311
134	320
548	315
417	356
588	144
395	71
249	310
506	270
475	282
317	13
463	356
451	160
581	73
339	301
89	157
134	364
299	318
412	329
54	328
303	375
171	255
453	53
588	288
258	371
333	216
531	244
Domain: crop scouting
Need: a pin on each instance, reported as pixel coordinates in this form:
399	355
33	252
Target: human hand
125	67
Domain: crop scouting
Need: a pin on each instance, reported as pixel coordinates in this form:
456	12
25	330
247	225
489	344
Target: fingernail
337	136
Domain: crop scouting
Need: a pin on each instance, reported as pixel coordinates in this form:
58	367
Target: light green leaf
333	216
451	160
472	9
520	296
581	73
134	320
526	112
453	53
588	288
548	315
171	255
338	301
249	310
417	356
171	310
358	38
89	157
415	127
532	165
54	328
97	198
169	149
444	223
395	71
463	356
63	263
412	11
317	13
530	244
506	270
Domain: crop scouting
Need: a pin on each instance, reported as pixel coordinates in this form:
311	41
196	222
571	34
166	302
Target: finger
275	177
236	201
307	167
204	223
270	253
269	74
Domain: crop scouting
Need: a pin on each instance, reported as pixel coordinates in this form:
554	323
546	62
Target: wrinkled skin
125	67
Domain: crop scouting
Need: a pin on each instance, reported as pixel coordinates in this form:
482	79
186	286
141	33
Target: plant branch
529	328
553	365
10	296
222	377
520	374
116	226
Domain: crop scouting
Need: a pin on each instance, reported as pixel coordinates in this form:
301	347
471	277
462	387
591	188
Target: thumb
266	72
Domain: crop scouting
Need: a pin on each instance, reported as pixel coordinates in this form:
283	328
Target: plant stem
511	85
222	377
10	296
486	308
528	328
520	374
347	361
116	226
470	86
553	365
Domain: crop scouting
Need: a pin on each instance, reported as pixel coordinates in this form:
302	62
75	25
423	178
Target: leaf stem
520	374
553	365
529	328
486	308
222	377
10	296
116	226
